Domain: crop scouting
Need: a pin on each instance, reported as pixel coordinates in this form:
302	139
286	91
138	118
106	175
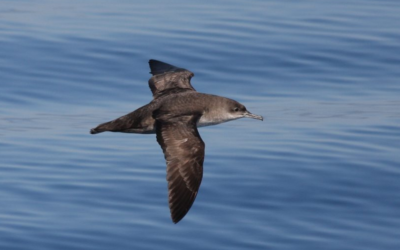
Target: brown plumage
184	153
174	115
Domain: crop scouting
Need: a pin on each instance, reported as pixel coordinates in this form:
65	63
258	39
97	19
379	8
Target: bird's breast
207	120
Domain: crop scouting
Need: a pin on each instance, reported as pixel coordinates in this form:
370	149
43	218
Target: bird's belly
207	122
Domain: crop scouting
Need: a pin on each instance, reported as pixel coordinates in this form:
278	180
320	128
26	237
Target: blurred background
321	171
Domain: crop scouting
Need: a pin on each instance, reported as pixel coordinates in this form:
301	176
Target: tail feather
117	125
94	131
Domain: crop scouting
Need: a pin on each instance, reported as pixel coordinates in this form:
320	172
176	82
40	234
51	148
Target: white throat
214	119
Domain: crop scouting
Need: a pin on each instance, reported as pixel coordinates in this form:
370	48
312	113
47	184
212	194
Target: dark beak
250	115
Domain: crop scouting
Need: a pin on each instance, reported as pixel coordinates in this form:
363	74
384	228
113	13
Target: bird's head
237	110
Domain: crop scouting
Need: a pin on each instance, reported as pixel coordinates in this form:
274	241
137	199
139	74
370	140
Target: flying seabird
174	114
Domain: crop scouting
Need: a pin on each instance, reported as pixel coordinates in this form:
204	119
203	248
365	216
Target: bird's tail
117	125
101	128
95	131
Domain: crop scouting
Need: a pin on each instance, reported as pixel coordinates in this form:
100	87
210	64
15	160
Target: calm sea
322	171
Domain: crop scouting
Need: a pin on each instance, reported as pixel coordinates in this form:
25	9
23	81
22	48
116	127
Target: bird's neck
214	117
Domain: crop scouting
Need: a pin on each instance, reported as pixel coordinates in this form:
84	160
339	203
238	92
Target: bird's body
141	120
174	114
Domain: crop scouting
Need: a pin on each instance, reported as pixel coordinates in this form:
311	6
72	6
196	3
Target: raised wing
184	153
168	79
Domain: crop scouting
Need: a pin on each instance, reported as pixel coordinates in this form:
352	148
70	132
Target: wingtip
176	220
159	67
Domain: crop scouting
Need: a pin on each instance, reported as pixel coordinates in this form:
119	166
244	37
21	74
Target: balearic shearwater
174	114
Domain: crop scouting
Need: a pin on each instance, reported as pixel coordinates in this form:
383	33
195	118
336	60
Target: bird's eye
236	109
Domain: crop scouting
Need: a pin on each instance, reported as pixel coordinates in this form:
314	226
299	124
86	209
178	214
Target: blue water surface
322	171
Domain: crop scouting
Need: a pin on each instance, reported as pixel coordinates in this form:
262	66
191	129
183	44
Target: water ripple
321	171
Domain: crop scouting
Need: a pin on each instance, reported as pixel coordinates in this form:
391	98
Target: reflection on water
321	171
